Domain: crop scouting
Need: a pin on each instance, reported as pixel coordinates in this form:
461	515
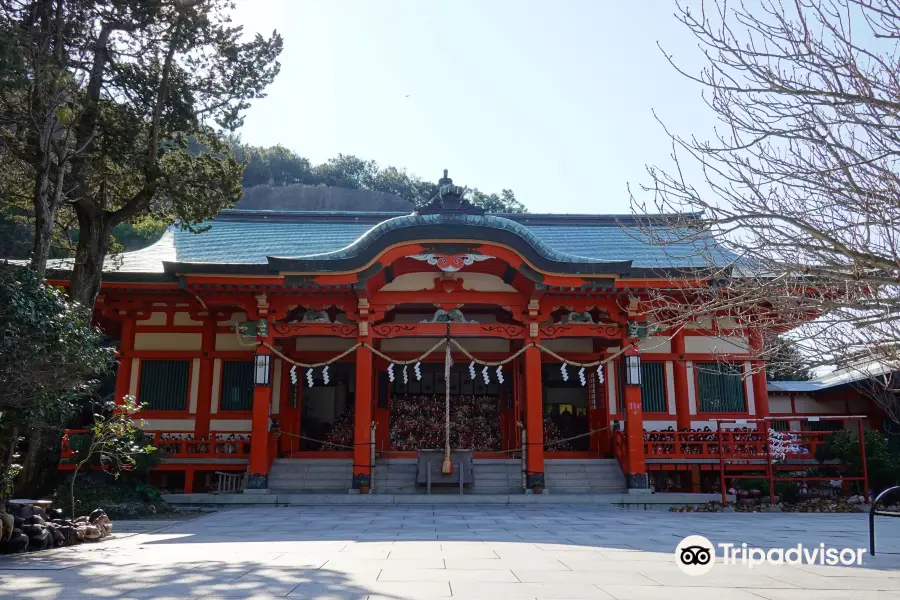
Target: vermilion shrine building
208	323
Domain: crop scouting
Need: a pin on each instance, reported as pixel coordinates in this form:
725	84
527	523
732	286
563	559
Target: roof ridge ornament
450	199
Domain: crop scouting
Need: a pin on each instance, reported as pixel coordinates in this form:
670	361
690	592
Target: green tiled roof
252	237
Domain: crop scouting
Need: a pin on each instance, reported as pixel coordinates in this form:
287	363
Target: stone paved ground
402	552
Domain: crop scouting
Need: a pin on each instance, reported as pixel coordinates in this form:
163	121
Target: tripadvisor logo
696	555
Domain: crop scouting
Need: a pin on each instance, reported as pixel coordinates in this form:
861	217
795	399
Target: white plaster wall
276	386
157	318
168	341
135	373
230	425
695	344
658	344
653	425
421	344
324	344
748	390
609	372
692	392
808	405
700	324
195	385
577	345
216	382
779	403
169	424
235	318
230	342
183	318
698	424
670	387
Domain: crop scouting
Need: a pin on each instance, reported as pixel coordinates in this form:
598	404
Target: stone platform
466	552
630	501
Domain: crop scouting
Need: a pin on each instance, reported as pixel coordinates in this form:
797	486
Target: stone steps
584	476
397	476
297	475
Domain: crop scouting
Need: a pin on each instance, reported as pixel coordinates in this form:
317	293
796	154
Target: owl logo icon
695	555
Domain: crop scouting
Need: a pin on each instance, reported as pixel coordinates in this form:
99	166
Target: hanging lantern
309	378
633	370
565	374
418	370
581	377
325	378
391	372
261	376
294	375
500	373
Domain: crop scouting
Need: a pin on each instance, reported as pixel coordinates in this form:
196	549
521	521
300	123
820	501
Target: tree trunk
35	443
94	229
44	216
7	464
72	489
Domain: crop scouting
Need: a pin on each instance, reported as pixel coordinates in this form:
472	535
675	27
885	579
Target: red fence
178	444
735	444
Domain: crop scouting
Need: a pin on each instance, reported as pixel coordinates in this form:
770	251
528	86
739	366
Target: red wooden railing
220	444
739	444
620	448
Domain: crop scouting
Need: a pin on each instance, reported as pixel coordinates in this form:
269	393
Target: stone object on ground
17	542
7	524
88	532
39	538
28	528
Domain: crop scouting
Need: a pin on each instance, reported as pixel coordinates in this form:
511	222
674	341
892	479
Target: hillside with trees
272	175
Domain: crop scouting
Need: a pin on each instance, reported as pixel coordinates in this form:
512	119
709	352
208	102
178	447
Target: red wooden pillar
259	439
362	414
682	404
635	467
204	389
126	345
534	417
760	387
695	479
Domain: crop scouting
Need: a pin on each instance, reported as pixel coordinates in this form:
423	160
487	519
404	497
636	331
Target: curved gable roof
257	241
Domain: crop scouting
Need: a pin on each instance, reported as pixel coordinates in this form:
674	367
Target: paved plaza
406	552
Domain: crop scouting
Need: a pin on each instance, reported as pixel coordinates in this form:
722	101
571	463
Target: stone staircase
497	476
584	476
311	475
397	476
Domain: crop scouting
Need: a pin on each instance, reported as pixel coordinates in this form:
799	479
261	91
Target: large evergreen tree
113	110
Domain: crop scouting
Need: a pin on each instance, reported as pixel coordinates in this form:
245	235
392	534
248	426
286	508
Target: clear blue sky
553	99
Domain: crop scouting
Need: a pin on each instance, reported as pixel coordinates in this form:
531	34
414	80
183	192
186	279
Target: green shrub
882	459
126	497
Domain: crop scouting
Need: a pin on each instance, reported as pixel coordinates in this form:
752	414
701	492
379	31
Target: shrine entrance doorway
479	411
573	410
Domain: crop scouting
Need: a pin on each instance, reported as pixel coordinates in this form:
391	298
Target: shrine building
293	347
